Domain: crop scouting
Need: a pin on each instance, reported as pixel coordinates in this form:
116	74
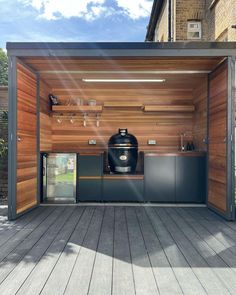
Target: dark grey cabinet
159	178
190	179
123	190
90	165
90	190
90	177
179	179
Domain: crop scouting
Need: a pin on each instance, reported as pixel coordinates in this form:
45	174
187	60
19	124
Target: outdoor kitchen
113	128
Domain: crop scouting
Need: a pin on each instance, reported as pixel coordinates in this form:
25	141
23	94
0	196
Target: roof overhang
121	49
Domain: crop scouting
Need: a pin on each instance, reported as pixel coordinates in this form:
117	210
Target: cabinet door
190	179
159	178
90	165
123	190
90	190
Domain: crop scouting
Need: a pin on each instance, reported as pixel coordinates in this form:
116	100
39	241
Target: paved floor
117	250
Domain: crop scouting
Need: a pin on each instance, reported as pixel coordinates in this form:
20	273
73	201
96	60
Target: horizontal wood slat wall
164	127
200	115
122	63
217	191
27	139
65	76
45	118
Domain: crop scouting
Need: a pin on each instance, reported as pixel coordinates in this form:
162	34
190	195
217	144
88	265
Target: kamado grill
122	152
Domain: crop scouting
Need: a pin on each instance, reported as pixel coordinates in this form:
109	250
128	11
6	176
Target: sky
73	20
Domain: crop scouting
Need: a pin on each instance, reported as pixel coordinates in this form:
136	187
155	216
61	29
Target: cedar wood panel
27	139
217	185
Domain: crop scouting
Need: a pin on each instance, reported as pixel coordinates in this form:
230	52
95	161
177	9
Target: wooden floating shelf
169	108
118	104
77	109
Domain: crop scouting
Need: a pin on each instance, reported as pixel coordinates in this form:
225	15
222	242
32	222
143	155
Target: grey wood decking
117	250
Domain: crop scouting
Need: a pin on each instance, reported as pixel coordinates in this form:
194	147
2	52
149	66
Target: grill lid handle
123	132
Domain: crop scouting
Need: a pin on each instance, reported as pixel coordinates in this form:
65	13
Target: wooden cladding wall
164	127
200	115
27	139
217	191
45	118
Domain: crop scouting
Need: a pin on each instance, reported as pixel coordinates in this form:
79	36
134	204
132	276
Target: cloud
89	9
56	9
135	8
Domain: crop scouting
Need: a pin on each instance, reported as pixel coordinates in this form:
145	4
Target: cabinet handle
18	138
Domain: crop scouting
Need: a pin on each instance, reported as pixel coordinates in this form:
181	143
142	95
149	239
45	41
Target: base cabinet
90	190
159	179
123	190
90	178
175	179
167	179
190	179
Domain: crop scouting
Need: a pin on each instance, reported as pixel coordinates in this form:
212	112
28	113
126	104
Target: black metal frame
231	139
12	137
39	168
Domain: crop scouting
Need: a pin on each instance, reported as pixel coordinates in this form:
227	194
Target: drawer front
90	165
121	190
90	190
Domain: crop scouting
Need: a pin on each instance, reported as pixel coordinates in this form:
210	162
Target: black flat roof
120	45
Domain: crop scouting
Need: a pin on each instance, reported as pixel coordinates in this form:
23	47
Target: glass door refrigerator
59	177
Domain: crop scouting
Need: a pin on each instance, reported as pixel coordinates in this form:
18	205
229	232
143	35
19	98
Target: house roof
155	13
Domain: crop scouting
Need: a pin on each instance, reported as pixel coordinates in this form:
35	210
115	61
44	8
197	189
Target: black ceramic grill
122	152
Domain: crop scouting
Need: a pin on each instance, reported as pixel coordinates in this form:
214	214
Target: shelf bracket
85	119
97	120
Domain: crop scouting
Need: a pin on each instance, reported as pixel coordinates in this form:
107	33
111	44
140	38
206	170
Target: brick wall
161	32
3	134
221	16
217	17
190	10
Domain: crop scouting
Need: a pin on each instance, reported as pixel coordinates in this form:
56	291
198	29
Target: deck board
165	277
143	274
123	279
81	274
187	279
212	240
101	280
37	278
22	234
60	275
208	279
217	264
117	250
21	271
9	229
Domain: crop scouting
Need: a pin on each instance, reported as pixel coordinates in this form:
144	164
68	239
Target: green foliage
3	148
3	141
3	69
5	116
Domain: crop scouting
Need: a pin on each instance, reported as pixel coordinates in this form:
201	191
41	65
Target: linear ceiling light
124	80
125	72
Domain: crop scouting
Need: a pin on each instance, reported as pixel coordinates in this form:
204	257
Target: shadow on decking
144	236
